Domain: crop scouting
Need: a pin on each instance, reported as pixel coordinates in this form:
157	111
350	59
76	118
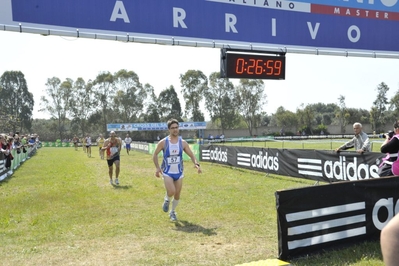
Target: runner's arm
190	154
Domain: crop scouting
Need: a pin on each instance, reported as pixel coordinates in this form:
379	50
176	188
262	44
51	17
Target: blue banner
344	24
154	126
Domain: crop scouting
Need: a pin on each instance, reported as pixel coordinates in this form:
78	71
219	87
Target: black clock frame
250	64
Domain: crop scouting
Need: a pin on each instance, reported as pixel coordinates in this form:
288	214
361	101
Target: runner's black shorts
111	161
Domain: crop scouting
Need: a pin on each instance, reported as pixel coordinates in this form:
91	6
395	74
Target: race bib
113	150
173	160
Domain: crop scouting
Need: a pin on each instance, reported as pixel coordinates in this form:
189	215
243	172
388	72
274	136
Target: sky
309	78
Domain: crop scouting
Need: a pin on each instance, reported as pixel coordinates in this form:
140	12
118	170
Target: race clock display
252	65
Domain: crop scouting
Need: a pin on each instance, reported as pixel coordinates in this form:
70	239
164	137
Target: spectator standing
31	141
391	147
24	143
5	148
210	138
17	144
360	141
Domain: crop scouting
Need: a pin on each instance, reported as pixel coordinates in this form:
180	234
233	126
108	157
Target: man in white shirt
128	140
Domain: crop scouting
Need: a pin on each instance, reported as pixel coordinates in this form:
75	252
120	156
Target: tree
358	115
220	102
130	95
250	101
169	105
152	113
193	83
104	91
394	105
266	120
306	118
285	118
342	113
309	117
324	113
81	103
378	117
151	105
16	100
58	102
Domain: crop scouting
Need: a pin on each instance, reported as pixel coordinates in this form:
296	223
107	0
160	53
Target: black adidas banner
326	166
316	218
320	217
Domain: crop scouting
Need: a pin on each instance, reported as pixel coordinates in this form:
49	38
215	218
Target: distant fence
283	137
292	142
59	144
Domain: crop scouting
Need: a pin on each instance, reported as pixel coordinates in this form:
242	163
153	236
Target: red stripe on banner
353	12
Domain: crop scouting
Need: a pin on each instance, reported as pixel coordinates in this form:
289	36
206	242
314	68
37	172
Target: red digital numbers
254	66
240	65
251	66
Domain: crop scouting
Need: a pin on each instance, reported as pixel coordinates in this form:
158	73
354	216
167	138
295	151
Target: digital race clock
252	64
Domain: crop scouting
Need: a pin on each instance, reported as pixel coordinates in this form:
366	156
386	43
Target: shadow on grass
121	187
188	227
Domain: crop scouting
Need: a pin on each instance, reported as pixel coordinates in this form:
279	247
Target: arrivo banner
325	166
355	25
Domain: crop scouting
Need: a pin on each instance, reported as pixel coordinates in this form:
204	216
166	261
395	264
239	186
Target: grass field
58	208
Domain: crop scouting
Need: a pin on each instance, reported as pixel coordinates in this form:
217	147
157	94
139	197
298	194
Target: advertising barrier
354	207
58	144
325	166
320	217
